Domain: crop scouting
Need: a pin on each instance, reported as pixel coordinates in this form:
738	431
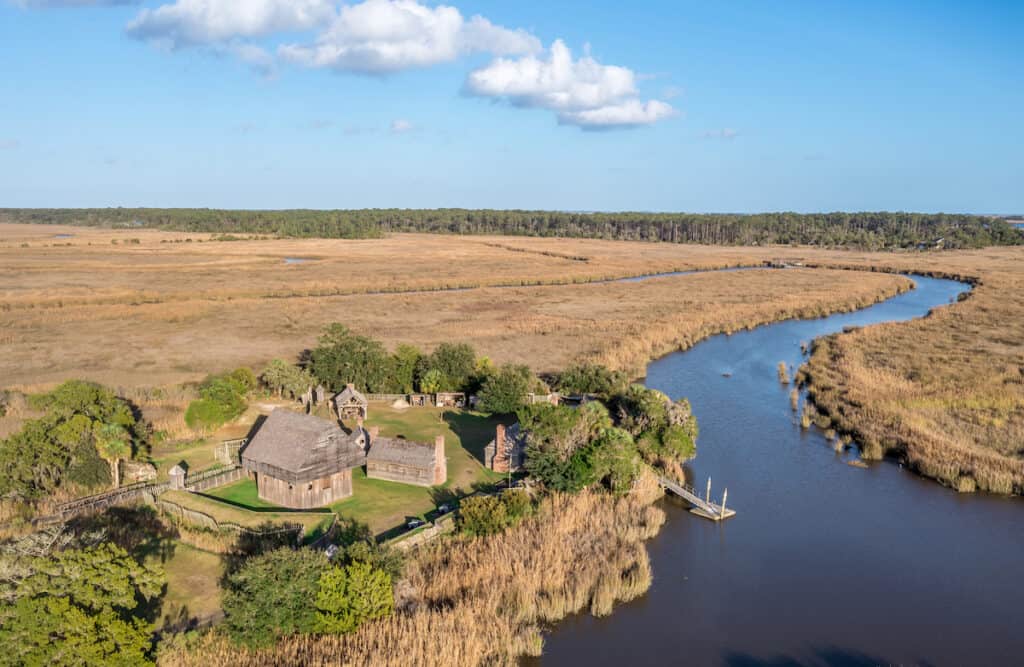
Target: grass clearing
224	512
244	492
193	584
198	454
386	506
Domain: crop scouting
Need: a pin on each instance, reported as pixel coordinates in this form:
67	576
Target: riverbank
944	393
732	593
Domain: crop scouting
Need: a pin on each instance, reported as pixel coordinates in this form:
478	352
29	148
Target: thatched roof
401	451
299	448
350	396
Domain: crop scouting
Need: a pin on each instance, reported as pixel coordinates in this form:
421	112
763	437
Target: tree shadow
350	531
256	425
398	530
255	543
138	530
475	430
263	510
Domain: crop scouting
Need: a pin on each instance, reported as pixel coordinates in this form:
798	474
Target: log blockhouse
301	461
408	462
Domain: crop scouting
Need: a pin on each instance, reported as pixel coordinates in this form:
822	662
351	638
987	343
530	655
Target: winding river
825	563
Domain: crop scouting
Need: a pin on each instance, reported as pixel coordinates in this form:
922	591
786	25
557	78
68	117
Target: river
825	563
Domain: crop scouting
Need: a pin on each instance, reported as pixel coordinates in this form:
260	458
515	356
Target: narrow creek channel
825	563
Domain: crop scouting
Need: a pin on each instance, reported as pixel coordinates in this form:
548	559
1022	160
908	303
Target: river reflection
825	563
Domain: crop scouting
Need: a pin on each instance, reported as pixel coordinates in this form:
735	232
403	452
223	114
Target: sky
658	105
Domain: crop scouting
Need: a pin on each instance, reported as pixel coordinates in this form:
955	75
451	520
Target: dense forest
866	230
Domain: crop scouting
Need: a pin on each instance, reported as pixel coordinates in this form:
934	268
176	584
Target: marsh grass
164	314
945	393
485	601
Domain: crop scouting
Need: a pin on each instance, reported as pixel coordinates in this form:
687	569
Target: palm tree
113	444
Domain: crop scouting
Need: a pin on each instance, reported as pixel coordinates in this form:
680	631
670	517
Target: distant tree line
862	230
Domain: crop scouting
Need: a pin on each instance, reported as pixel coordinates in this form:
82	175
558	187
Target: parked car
444	509
414	523
331	551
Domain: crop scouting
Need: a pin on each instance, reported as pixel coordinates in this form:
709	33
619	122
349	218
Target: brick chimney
440	461
500	462
351	386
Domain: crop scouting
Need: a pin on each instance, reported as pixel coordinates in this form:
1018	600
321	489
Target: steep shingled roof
404	452
300	448
350	396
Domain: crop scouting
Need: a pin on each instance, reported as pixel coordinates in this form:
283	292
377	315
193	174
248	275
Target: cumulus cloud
382	36
189	22
581	92
378	37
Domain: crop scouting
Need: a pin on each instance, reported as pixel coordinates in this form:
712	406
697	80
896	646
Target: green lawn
243	492
193	583
384	506
224	511
465	436
198	454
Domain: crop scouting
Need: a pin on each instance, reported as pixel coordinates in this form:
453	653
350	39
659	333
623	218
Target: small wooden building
351	404
301	461
507	452
408	462
450	399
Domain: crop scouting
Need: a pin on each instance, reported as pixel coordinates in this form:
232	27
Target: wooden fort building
408	462
351	404
301	461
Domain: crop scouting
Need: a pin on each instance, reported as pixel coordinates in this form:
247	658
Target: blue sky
669	106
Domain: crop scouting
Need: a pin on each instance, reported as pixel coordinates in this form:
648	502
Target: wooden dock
704	507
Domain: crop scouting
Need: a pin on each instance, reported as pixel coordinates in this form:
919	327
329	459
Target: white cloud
629	113
254	56
187	22
582	92
381	36
401	126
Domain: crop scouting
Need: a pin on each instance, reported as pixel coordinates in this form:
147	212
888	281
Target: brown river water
825	563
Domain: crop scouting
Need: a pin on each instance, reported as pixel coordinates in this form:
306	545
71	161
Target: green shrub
517	504
273	595
505	391
350	595
88	469
204	415
483	515
591	379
